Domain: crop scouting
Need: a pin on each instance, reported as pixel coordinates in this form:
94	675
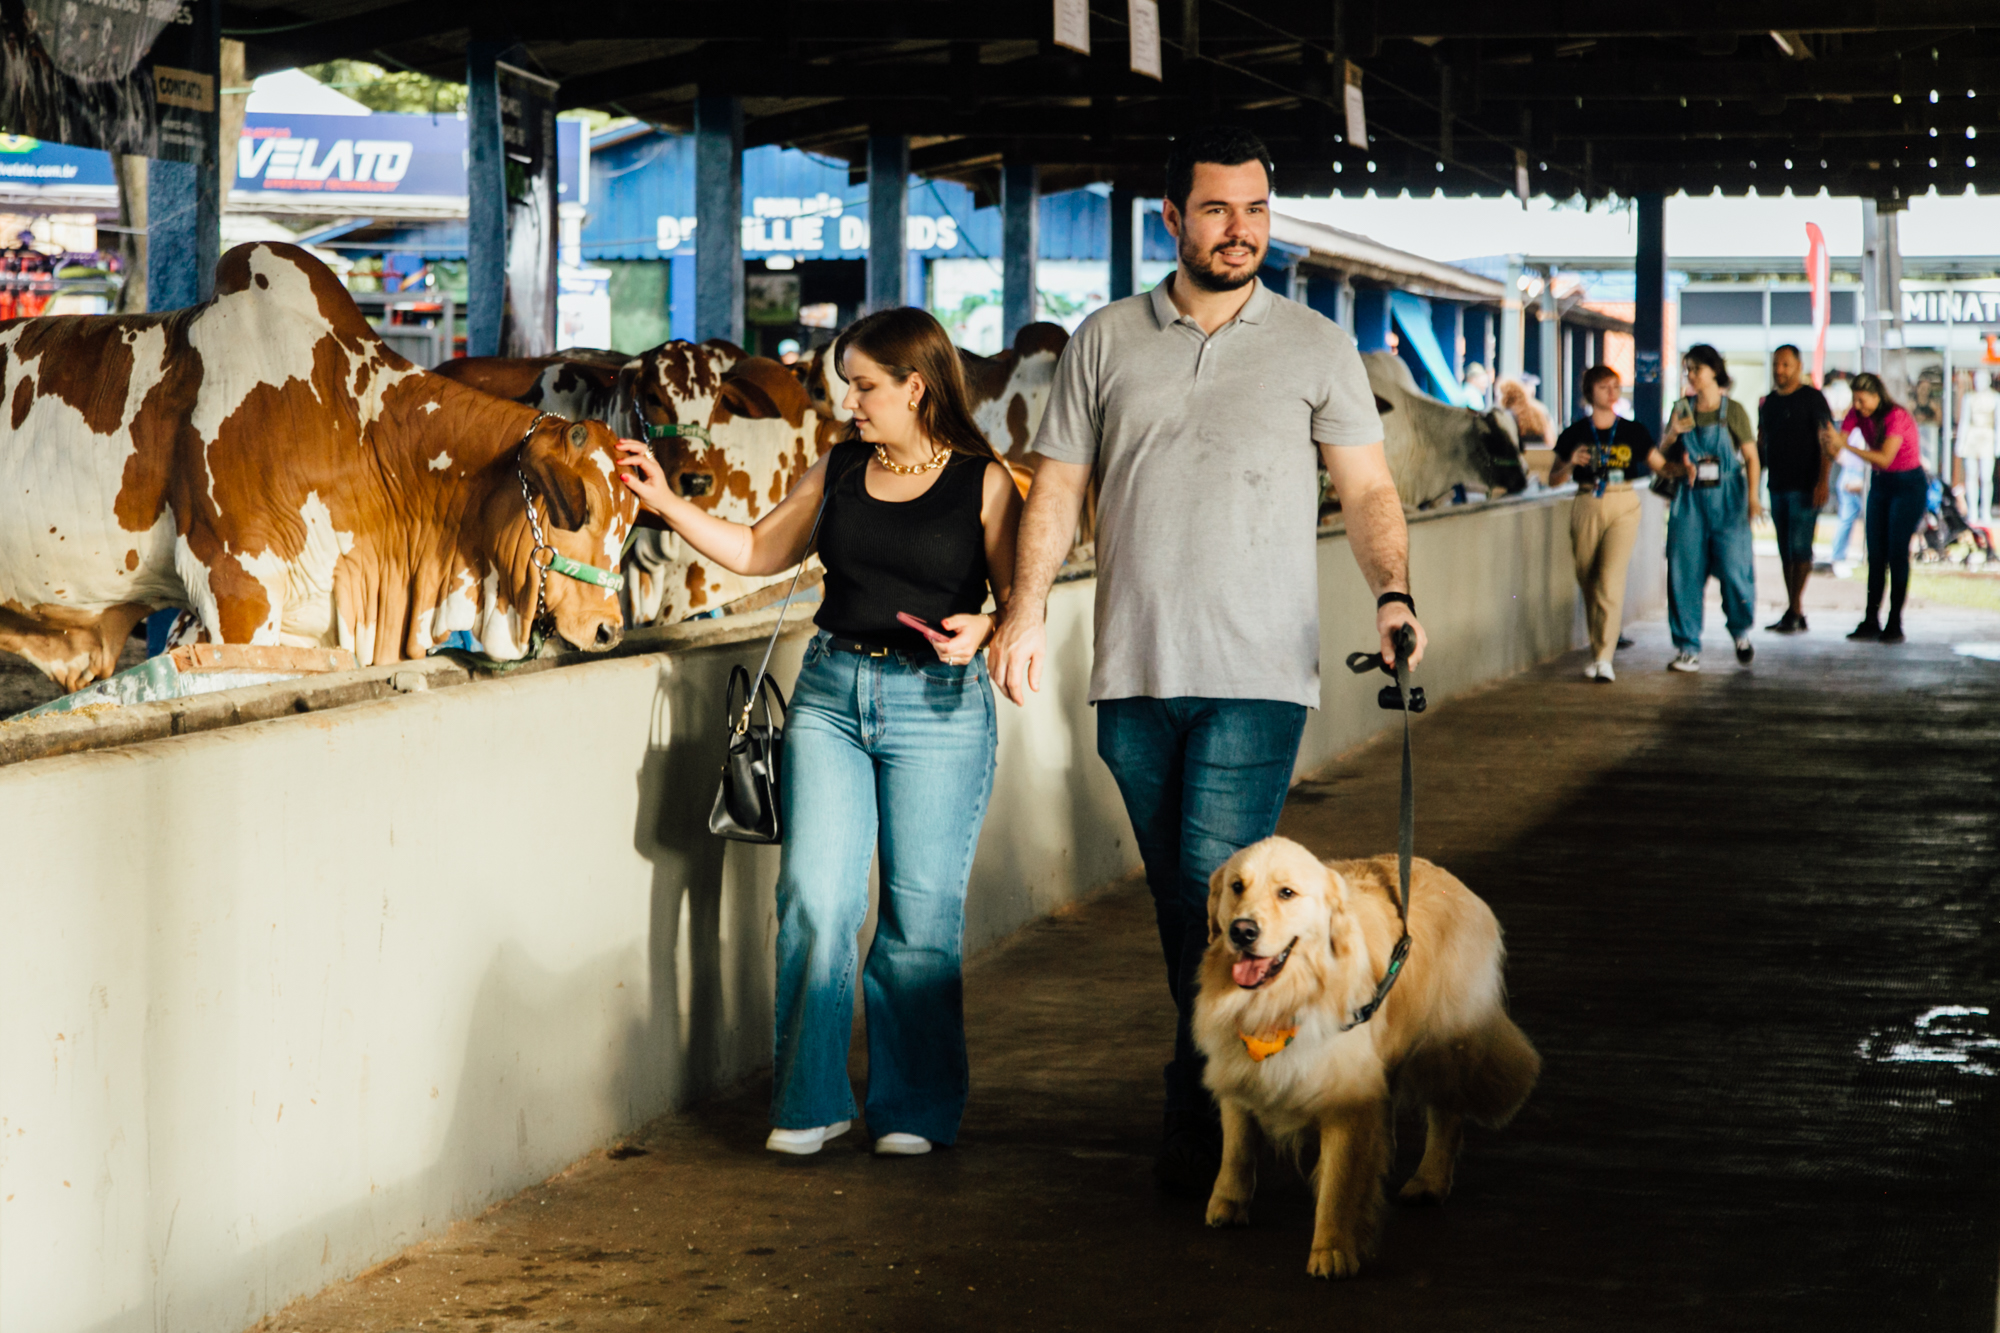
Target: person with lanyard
1205	407
1605	453
1711	447
1896	497
891	734
1789	422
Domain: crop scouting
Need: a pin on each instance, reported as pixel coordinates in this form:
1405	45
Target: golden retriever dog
1296	949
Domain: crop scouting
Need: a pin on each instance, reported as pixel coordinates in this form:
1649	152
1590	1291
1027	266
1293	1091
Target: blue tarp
1413	317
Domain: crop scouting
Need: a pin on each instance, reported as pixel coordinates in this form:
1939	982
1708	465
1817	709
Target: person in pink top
1895	498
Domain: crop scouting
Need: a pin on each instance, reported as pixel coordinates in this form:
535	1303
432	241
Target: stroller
1948	537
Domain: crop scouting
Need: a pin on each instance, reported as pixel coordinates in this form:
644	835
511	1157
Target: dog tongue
1250	971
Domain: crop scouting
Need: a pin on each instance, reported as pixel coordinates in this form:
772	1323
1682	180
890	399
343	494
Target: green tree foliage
381	89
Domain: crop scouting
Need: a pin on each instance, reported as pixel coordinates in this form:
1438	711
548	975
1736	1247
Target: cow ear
742	397
551	468
761	389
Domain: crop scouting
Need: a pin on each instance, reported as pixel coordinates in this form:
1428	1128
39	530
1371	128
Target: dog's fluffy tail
1484	1075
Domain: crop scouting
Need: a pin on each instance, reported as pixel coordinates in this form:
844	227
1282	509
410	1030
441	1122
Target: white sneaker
1685	662
1590	670
901	1145
806	1142
1604	672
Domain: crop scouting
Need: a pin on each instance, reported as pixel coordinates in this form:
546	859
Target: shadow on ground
1751	923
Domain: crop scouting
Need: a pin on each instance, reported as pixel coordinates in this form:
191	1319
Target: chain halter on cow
544	558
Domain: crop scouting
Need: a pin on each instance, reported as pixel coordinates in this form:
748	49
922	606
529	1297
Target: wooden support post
1020	245
1649	310
888	221
1125	233
485	198
718	209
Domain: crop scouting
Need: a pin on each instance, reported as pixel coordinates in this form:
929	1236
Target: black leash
1406	699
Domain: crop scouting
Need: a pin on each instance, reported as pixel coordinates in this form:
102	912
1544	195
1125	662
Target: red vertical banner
1818	274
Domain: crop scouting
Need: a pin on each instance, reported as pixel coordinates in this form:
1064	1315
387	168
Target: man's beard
1203	276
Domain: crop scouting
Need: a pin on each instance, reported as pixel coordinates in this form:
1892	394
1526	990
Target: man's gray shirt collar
1168	314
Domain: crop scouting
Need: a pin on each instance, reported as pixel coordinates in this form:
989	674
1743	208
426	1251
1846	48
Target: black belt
856	646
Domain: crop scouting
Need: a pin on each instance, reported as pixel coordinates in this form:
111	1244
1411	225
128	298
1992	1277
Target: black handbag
747	806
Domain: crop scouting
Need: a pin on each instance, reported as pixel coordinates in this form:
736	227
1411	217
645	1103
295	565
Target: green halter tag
673	431
603	578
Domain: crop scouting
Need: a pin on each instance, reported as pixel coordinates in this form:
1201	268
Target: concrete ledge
293	977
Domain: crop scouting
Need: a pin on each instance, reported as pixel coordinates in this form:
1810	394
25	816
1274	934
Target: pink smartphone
922	627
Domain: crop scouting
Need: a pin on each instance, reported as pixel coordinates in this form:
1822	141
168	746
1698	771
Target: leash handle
1409	700
1406	840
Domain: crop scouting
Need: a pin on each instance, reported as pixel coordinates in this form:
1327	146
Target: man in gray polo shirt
1205	406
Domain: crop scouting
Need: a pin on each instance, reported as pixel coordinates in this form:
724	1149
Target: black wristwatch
1402	597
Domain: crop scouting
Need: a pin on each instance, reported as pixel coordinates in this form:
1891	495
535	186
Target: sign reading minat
126	76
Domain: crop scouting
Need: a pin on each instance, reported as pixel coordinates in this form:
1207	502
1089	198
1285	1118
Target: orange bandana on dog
1262	1047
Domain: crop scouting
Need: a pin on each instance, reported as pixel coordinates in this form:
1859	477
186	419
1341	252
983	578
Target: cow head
584	515
824	384
1502	437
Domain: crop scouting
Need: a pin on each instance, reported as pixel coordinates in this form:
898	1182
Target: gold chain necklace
937	460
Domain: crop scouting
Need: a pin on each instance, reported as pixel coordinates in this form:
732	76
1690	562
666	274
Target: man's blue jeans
1202	779
891	754
1850	514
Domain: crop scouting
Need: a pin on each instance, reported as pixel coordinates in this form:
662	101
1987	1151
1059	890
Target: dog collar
1261	1046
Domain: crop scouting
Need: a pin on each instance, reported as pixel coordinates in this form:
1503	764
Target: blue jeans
1708	533
1850	514
1795	516
1202	779
891	754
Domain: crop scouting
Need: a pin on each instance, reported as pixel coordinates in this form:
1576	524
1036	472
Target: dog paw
1332	1262
1228	1212
1420	1193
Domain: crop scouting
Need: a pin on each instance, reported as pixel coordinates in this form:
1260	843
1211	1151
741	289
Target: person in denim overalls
1708	528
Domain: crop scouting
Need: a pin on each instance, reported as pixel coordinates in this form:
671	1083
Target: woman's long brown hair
906	341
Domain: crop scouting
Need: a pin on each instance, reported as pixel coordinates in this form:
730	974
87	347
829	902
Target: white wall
279	1000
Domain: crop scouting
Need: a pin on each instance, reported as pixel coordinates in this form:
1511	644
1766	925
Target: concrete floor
1736	904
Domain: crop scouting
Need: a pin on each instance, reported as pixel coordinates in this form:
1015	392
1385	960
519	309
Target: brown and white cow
265	460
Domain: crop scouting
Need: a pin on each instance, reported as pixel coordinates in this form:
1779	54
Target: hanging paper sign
1357	119
1521	175
528	137
1144	19
126	76
1073	25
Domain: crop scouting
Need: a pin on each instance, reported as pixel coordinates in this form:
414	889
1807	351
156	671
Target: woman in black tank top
890	740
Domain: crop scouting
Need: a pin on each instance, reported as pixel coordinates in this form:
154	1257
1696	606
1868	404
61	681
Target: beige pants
1602	532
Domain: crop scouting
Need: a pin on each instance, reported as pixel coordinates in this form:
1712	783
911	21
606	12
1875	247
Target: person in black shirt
1789	422
890	739
1604	453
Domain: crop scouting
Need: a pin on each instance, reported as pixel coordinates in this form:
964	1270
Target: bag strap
784	608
